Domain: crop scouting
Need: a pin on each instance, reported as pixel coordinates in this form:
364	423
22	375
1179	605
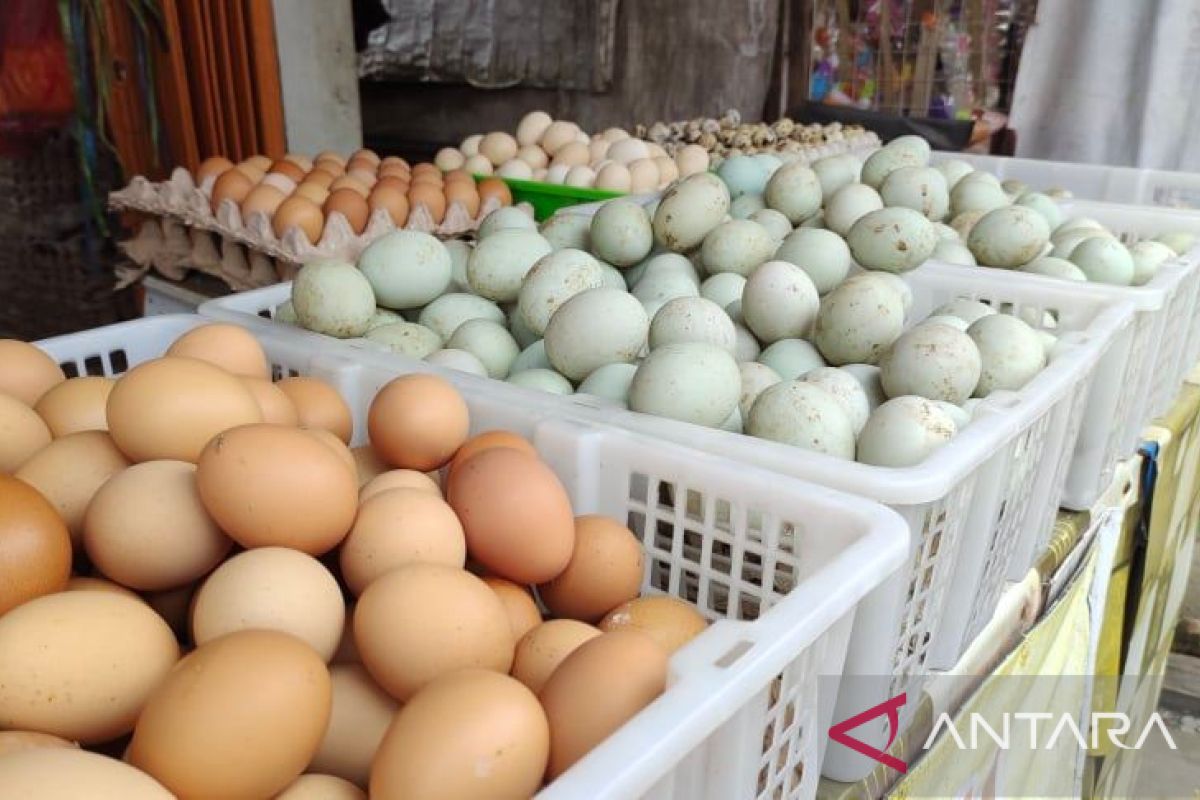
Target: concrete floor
1166	774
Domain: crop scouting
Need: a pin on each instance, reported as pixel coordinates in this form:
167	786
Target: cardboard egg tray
183	233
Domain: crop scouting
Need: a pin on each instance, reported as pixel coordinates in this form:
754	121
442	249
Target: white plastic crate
996	486
780	566
1128	185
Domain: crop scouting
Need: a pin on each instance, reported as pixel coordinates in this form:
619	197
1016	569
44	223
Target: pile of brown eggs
296	191
206	592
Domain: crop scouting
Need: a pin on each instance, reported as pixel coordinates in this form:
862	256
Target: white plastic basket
1129	185
996	486
779	565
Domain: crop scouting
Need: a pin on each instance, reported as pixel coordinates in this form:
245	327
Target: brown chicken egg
22	433
425	168
35	547
421	621
275	485
276	406
147	529
299	212
302	161
171	407
81	665
400	184
321	177
313	786
596	689
212	167
523	614
439	741
26	372
83	583
543	648
395	171
368	465
262	199
366	154
68	772
251	171
338	446
279	181
417	422
242	716
350	204
465	195
70	470
261	162
288	168
393	161
669	621
488	440
174	606
515	513
17	741
393	200
332	167
495	187
362	712
319	406
398	527
311	190
366	177
398	479
230	347
75	405
605	571
429	197
330	155
349	182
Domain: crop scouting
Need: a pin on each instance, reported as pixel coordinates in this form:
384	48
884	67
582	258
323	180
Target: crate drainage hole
733	654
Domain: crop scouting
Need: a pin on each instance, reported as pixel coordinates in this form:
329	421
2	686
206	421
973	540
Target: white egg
1008	237
848	391
626	151
892	239
470	145
499	263
516	169
903	432
723	288
691	159
756	378
848	205
1010	352
972	194
822	254
644	176
598	150
613	177
858	320
791	358
564	231
445	314
505	219
804	415
692	319
532	357
449	158
868	378
747	205
532	126
580	176
922	189
459	360
965	309
611	382
488	341
478	164
779	301
953	170
543	380
834	172
776	224
553	280
1104	260
334	298
738	246
689	210
668	171
1148	256
594	328
406	268
794	191
953	253
937	362
689	381
406	338
572	154
1055	268
557	174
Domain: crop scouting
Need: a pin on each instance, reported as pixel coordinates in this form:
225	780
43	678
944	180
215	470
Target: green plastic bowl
546	198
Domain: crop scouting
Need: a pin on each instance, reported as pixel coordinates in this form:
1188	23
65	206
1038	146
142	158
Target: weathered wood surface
672	60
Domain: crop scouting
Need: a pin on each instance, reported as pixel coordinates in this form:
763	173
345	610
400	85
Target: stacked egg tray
184	233
781	567
976	508
1139	377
